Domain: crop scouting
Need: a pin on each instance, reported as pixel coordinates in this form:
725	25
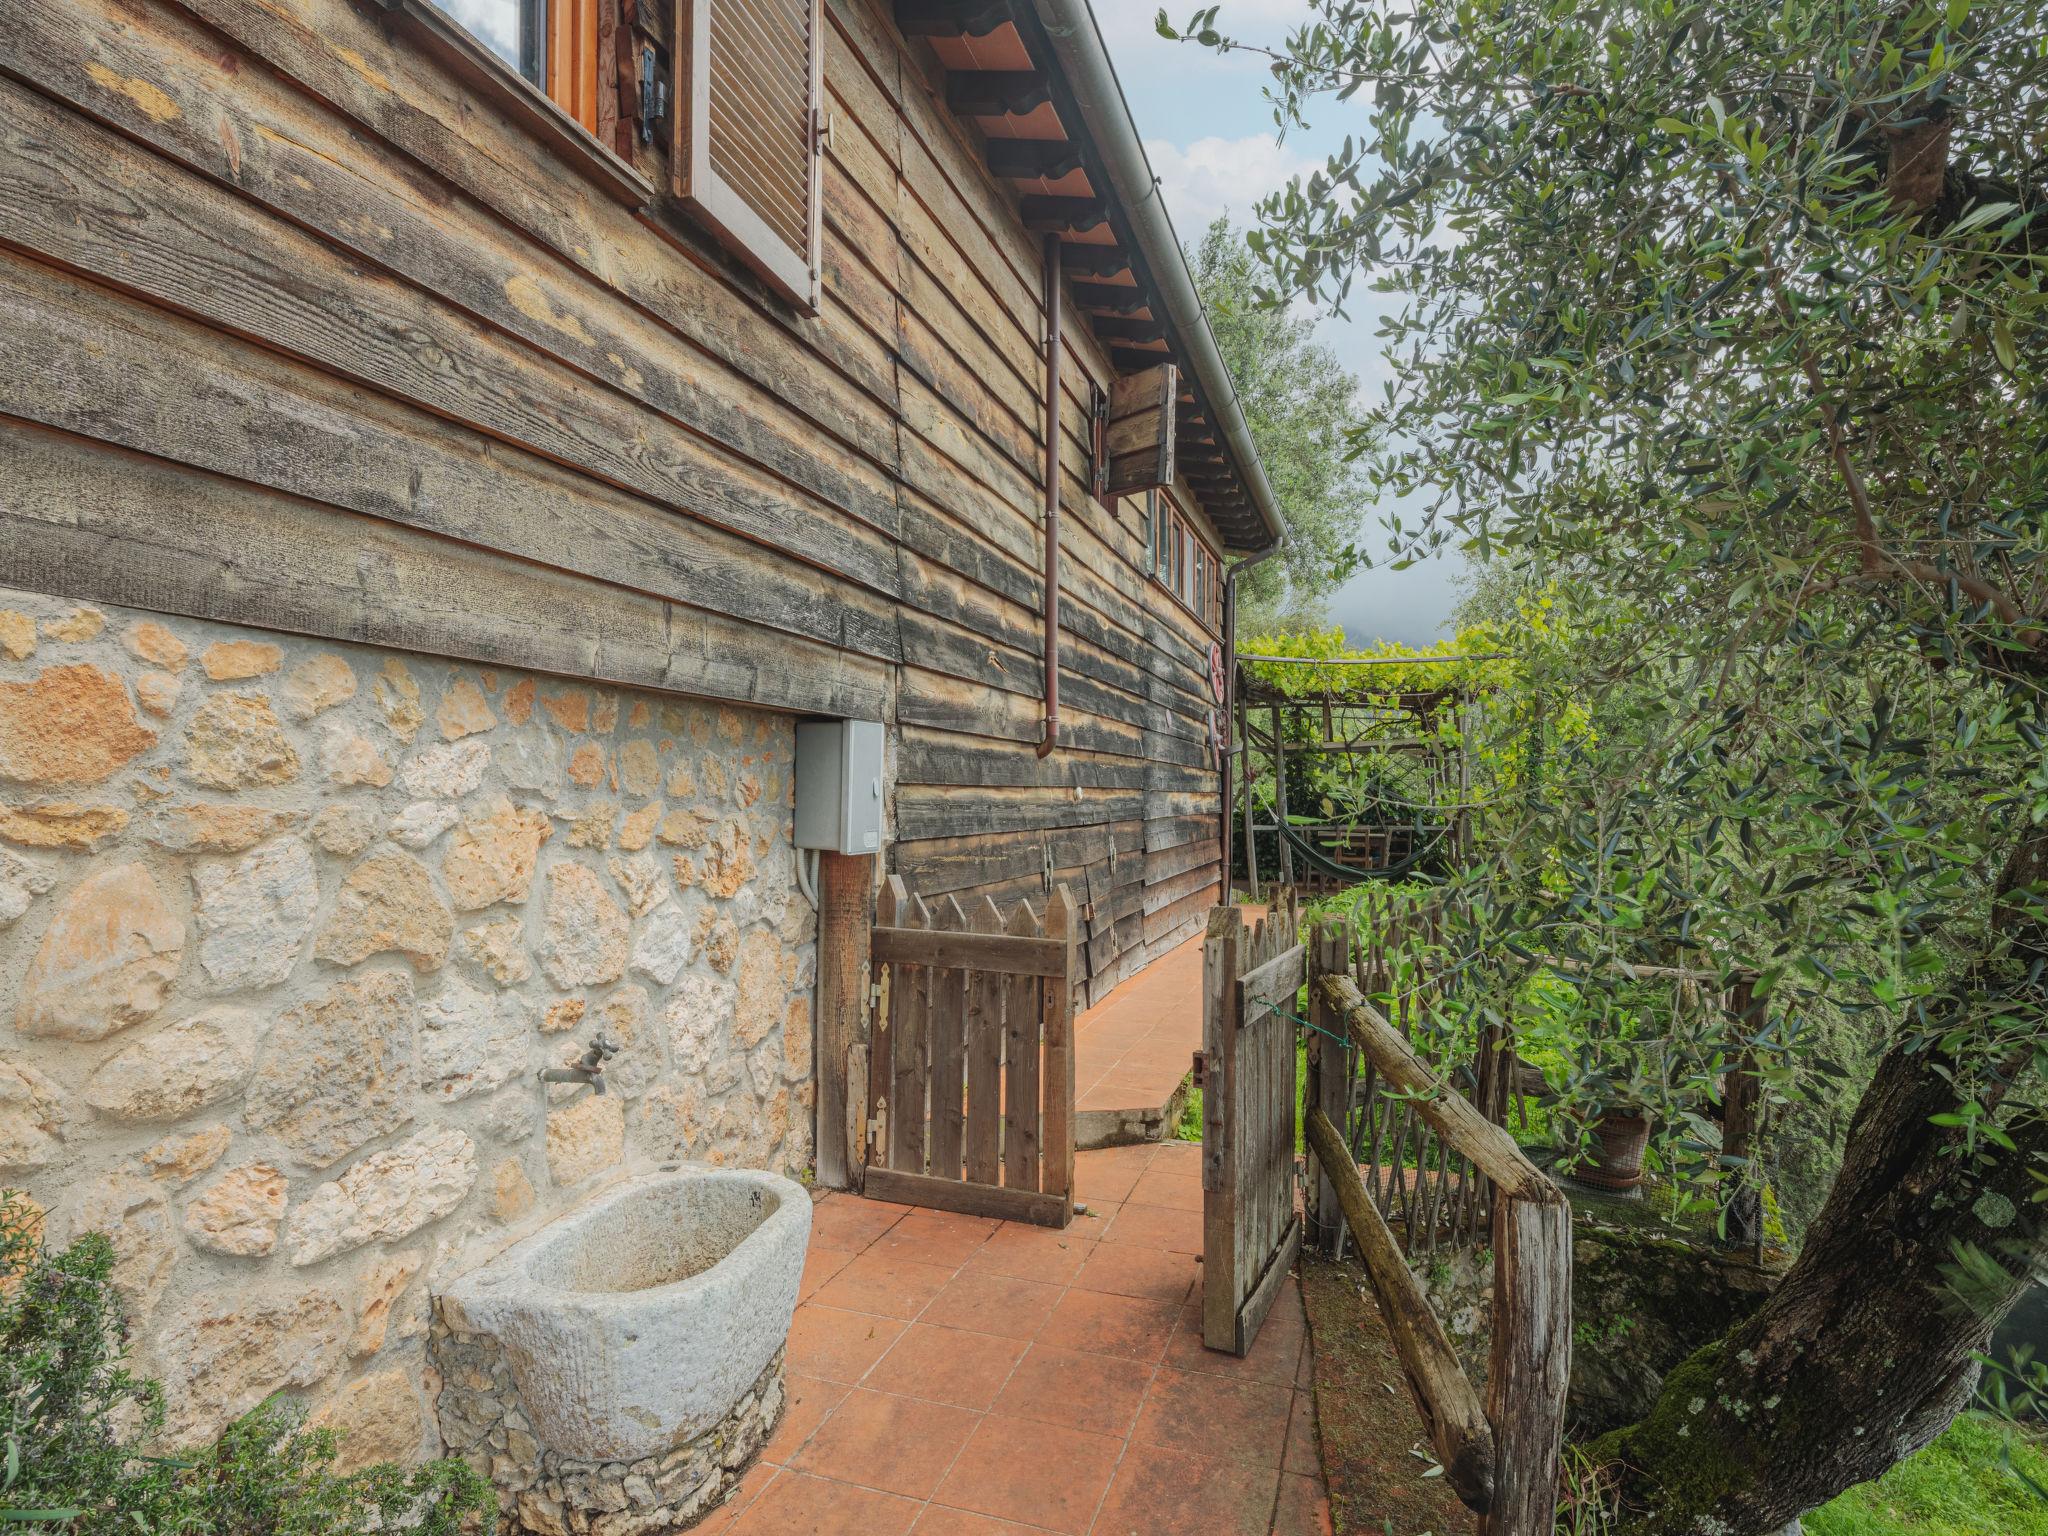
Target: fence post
1531	1362
1058	1147
1329	1073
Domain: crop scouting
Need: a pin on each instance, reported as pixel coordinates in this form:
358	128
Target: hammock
1324	864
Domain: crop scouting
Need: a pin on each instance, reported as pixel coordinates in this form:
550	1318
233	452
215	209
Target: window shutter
1139	441
749	135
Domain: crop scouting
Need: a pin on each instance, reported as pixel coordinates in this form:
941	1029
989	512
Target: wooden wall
311	333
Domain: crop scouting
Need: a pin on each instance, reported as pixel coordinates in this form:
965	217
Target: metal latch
653	95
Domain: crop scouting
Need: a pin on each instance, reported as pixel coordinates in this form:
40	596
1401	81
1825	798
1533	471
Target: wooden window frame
792	273
1180	560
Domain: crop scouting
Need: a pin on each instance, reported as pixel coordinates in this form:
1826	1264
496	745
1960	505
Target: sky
1210	136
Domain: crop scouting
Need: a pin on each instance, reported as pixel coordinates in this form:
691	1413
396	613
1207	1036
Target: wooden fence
971	1067
1502	1459
1250	1230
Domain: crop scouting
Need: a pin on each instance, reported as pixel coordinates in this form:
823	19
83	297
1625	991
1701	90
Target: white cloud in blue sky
1210	136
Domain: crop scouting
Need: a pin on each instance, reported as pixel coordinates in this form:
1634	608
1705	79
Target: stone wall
287	930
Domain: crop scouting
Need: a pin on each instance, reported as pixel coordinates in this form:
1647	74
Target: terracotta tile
1274	1356
1098	1393
807	1399
838	1346
820	1265
989	1303
885	1286
1110	1174
1170	1493
1032	1253
1042	1474
1157	1226
1303	1454
848	1223
935	1237
797	1505
947	1365
1181	1157
937	1520
879	1440
1095	1221
1102	1324
1226	1419
1124	1270
1303	1508
1178	1191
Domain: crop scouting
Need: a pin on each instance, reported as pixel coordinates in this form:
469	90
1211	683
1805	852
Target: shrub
78	1429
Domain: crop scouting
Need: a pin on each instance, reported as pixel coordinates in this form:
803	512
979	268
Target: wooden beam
1111	298
951	18
1458	1428
997	92
1123	328
1489	1146
1132	360
1030	159
943	950
1094	260
844	884
1071	215
969	1199
1529	1370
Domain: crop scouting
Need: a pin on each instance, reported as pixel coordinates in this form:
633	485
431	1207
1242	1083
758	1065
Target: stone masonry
287	930
543	1493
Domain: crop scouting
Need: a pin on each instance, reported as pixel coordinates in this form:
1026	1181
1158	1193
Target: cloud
1217	175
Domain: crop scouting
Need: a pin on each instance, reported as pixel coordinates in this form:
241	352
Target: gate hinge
1201	1068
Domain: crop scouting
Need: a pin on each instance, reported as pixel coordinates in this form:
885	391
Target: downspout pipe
1230	779
1052	496
1070	29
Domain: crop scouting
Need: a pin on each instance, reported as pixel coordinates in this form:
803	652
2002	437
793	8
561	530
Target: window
553	43
1178	560
749	133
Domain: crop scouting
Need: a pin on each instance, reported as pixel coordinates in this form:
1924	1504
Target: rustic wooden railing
971	1068
1503	1460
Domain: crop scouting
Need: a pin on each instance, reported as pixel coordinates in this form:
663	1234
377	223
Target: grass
1958	1486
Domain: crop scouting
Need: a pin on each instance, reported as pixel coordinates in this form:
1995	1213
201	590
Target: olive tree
1728	318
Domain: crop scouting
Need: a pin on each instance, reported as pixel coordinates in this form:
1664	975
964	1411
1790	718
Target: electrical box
839	785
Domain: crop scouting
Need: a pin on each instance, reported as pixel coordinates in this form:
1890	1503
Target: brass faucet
589	1068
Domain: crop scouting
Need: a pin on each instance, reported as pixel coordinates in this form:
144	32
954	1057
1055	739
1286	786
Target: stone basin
636	1322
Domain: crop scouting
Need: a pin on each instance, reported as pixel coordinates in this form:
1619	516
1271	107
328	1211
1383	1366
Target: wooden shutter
572	59
746	158
1140	435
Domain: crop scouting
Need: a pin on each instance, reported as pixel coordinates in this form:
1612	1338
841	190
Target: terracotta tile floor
1132	1049
950	1376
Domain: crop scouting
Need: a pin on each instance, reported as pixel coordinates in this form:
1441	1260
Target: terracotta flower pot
1620	1138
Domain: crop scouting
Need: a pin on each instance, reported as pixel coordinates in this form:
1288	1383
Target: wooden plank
1489	1146
73	513
1042	1210
1459	1429
892	902
1023	1051
946	1024
844	884
985	1039
1219	1159
969	951
1530	1368
1057	1012
910	987
1252	1315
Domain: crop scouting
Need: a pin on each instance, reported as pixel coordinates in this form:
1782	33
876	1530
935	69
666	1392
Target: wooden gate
971	1066
1251	1230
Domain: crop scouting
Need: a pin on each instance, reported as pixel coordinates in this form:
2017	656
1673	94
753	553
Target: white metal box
839	785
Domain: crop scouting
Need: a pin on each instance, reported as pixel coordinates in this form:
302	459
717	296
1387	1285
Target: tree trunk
1863	1353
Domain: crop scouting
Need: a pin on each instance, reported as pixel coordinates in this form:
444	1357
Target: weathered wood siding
306	332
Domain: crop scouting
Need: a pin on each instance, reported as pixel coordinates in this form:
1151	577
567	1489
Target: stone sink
635	1323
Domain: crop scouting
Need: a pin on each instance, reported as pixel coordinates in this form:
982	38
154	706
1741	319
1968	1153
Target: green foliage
1304	415
1957	1486
79	1430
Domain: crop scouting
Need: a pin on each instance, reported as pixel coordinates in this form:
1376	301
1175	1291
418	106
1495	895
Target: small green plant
79	1430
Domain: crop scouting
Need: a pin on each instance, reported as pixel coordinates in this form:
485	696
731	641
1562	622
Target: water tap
588	1068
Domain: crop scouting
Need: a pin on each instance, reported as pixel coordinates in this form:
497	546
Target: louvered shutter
747	151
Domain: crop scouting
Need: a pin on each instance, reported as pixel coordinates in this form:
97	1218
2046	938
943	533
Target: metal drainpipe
1230	708
1052	495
